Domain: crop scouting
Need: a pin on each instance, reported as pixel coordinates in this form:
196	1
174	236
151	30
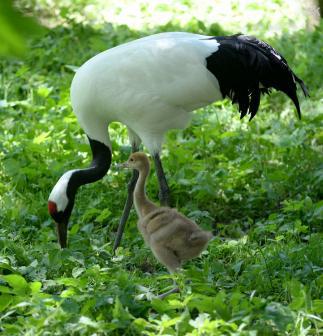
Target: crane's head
60	205
138	161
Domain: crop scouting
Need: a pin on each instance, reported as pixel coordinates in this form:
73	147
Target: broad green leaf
120	314
68	293
161	306
237	266
77	271
140	324
17	282
41	138
69	282
282	316
318	306
5	289
182	325
105	214
202	302
221	307
70	306
74	229
298	295
5	301
44	91
167	322
199	322
14	28
88	322
5	265
35	287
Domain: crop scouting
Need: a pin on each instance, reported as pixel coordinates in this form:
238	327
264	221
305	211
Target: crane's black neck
100	164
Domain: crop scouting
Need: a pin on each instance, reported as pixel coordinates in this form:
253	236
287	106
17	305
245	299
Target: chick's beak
122	165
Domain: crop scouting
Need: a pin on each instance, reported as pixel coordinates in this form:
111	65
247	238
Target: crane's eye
131	160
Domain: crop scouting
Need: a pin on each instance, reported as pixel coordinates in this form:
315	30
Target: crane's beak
61	229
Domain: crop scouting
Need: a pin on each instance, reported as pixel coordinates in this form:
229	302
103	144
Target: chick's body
172	237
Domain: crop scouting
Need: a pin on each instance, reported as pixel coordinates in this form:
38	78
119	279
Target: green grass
257	185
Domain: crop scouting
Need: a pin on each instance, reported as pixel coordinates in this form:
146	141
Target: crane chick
172	237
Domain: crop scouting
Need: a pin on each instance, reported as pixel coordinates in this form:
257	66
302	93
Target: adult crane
152	85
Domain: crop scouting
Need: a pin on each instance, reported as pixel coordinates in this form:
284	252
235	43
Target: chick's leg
166	257
171	261
171	291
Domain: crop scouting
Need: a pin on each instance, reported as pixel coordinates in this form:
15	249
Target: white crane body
152	90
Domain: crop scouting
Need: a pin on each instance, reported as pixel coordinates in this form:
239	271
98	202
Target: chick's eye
131	160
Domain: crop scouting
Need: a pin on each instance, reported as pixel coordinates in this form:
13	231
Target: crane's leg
128	204
164	192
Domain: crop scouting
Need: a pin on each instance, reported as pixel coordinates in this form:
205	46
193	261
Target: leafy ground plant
257	185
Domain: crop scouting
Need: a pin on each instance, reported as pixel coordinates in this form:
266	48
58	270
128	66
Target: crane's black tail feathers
247	67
